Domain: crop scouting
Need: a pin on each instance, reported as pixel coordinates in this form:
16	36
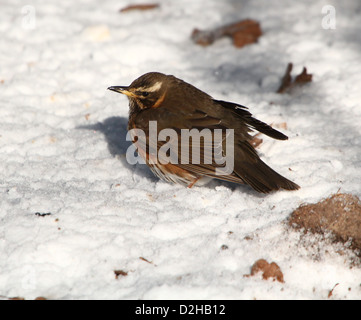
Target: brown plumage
177	105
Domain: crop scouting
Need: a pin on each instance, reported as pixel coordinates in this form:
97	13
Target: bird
176	105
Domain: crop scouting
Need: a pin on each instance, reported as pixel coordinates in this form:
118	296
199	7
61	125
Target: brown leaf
119	273
287	83
247	32
145	260
286	80
303	77
269	270
243	32
331	291
140	7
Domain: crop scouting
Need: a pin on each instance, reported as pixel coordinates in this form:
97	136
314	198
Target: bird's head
148	91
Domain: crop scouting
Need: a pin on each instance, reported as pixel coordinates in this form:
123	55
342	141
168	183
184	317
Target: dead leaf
331	291
243	32
269	270
303	77
134	7
120	273
145	260
287	83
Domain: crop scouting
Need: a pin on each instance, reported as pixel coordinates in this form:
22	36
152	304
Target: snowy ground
62	151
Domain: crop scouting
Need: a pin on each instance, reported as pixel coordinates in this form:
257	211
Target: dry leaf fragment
269	270
286	80
303	77
243	32
140	7
287	83
145	260
119	273
331	291
248	32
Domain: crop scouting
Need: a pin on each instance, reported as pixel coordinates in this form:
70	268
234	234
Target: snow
62	149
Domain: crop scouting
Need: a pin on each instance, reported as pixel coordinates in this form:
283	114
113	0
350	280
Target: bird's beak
122	89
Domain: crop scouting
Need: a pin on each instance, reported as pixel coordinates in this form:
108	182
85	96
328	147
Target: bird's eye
145	94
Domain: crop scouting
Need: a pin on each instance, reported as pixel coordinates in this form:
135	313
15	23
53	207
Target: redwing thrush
175	104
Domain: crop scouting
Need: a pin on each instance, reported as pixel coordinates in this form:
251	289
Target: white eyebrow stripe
153	88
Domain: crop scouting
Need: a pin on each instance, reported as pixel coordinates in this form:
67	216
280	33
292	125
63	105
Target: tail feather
262	178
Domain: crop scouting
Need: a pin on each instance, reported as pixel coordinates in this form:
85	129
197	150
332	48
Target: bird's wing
246	165
191	143
244	115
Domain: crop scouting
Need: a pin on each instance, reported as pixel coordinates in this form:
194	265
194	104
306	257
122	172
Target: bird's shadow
115	131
